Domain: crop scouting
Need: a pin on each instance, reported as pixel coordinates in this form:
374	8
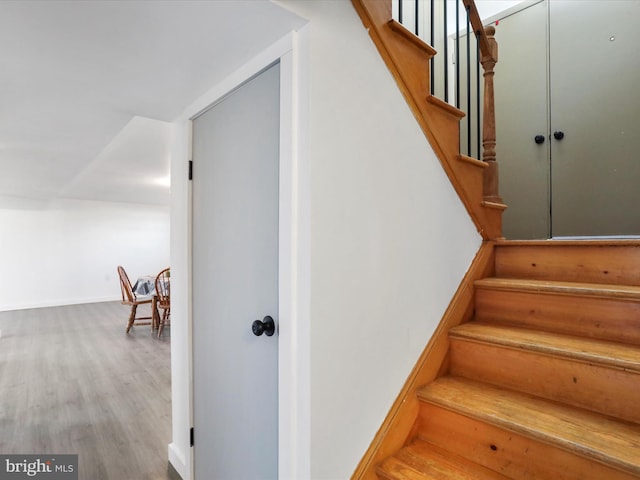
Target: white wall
68	252
390	240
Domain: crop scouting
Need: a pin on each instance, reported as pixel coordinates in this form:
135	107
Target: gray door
569	66
235	282
595	73
521	114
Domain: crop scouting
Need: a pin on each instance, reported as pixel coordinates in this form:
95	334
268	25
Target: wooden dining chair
129	298
163	299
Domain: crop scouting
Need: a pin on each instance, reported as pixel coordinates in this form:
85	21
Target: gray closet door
567	73
235	282
521	115
594	76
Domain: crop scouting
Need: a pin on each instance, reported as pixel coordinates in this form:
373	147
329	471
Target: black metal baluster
433	63
457	54
478	111
416	11
468	87
400	11
445	50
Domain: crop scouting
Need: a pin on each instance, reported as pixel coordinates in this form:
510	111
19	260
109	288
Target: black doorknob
558	135
266	326
539	139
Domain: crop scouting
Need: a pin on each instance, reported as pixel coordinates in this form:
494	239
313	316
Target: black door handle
539	139
558	135
266	326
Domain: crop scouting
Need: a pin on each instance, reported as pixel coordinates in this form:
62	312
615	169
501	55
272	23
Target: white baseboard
178	461
58	303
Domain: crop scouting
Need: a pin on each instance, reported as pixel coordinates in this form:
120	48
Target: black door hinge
190	169
191	436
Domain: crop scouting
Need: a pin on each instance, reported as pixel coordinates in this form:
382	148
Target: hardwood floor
72	381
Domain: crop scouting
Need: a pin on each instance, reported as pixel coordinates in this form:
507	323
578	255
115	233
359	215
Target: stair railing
456	78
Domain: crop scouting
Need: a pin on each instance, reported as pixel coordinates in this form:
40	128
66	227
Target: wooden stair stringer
407	58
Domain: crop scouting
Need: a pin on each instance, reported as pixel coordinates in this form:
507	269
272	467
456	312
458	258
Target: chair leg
165	316
155	316
161	323
132	317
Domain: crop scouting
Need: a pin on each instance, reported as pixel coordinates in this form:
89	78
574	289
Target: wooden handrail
488	58
478	29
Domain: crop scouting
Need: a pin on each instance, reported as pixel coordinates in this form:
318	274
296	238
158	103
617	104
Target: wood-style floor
72	382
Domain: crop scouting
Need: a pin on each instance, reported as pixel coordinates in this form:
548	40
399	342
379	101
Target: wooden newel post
488	61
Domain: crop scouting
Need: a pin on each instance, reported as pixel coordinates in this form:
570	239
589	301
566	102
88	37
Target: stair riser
474	176
610	391
594	317
613	264
505	452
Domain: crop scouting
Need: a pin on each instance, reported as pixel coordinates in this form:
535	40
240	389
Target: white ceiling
87	88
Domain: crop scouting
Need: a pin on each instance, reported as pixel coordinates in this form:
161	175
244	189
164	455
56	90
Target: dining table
145	285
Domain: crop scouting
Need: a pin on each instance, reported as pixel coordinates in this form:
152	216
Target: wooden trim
398	426
497	206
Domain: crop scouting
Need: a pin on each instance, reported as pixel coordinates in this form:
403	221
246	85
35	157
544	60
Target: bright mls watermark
50	467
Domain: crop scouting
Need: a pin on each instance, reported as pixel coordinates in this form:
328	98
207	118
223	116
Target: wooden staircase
544	381
407	57
534	370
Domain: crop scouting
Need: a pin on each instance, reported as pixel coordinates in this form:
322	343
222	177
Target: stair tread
472	161
393	468
612	354
584	433
445	107
559	287
400	29
423	461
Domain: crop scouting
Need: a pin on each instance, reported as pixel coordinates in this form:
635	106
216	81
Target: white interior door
235	282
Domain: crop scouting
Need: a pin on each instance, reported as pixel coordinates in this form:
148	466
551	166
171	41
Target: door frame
294	444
